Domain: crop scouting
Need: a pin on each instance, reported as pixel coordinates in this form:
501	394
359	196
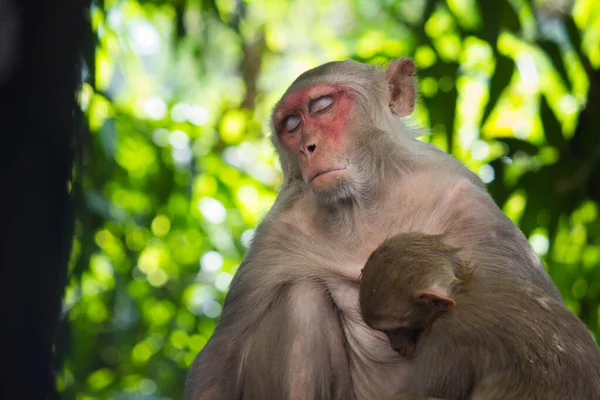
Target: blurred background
173	166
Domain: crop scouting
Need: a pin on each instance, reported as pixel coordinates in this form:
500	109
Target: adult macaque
472	336
354	175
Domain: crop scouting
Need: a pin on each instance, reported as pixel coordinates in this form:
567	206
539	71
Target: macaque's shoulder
448	178
439	193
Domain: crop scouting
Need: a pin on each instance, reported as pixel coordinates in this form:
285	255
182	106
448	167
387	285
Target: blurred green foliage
178	170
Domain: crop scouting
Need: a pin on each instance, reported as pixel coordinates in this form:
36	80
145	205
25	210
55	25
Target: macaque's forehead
337	71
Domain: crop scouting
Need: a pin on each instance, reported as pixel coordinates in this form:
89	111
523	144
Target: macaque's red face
312	123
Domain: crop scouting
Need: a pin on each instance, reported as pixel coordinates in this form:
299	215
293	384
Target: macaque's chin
334	187
329	179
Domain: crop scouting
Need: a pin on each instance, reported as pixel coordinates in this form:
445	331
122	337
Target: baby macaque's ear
436	296
401	84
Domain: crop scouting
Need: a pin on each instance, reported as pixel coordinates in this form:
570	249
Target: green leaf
574	37
552	127
553	51
515	145
500	80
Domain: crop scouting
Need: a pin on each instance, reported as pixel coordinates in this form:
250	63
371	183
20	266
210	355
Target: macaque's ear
401	84
436	296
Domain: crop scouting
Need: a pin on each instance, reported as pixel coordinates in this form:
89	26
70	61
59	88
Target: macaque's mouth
404	340
320	173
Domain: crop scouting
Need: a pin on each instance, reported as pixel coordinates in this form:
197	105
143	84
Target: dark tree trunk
39	74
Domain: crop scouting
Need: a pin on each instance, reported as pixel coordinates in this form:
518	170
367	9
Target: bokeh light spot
211	308
213	210
233	125
147	386
486	173
161	225
157	277
145	39
154	107
101	378
540	243
579	289
211	261
222	281
141	353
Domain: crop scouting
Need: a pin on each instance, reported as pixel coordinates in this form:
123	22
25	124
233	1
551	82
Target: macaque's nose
308	143
308	146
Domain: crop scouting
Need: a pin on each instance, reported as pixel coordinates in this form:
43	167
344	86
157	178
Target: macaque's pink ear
436	296
401	84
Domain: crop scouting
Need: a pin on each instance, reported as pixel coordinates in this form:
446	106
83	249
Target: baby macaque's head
408	282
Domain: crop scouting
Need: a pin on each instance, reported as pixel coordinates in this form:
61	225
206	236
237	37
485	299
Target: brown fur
501	338
290	326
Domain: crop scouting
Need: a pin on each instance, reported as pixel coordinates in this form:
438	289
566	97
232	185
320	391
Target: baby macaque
471	335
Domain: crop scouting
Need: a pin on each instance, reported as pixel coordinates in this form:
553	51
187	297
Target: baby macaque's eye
320	104
291	123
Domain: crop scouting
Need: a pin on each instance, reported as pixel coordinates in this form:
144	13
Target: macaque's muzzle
404	340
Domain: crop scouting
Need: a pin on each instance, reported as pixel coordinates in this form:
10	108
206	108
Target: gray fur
320	241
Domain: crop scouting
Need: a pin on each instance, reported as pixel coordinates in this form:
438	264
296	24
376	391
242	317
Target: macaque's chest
337	258
377	371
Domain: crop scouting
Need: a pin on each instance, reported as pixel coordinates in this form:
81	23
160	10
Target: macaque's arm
298	351
279	335
216	372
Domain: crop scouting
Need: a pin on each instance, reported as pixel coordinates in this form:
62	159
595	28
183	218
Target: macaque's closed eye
393	331
292	123
316	106
320	104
